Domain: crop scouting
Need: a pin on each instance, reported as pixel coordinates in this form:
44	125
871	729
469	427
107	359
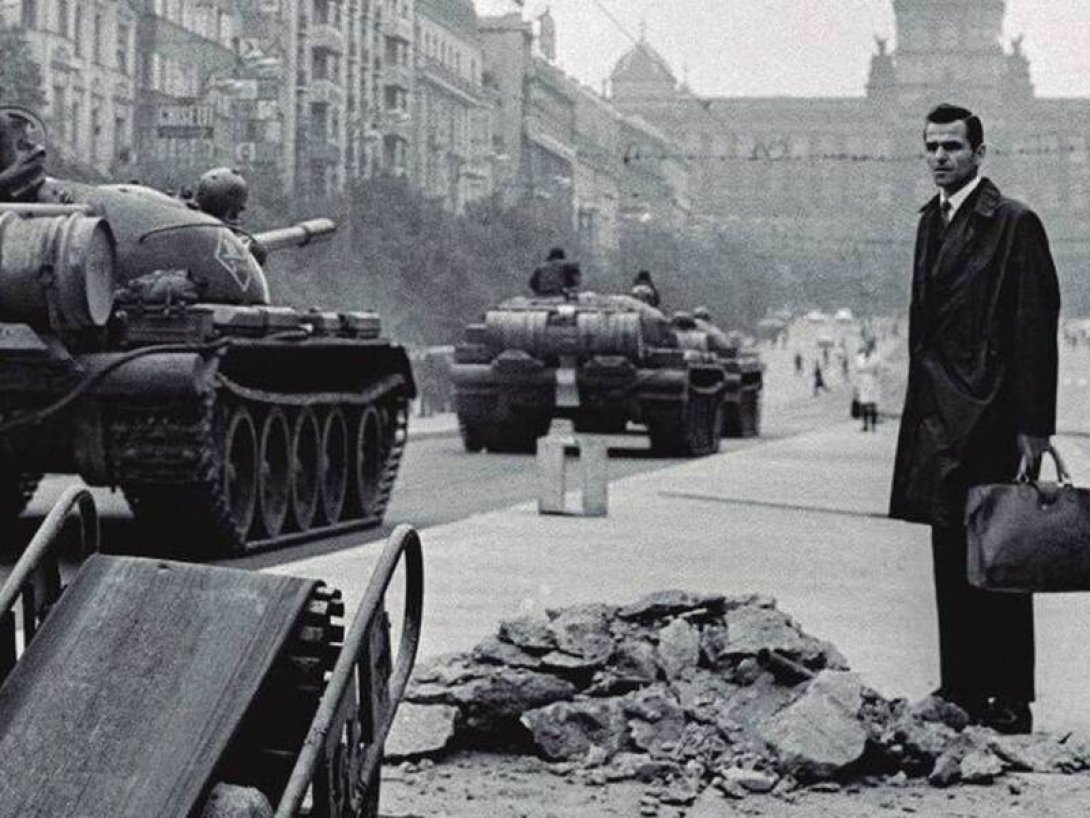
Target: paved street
800	517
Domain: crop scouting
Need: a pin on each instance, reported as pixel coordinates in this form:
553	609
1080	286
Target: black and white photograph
544	408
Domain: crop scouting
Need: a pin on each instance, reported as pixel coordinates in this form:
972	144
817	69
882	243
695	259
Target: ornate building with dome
840	180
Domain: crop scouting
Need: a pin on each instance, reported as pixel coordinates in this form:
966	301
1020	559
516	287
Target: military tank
744	370
601	360
139	349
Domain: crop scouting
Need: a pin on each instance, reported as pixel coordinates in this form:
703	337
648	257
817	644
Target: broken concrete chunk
820	733
662	604
584	631
1035	753
678	649
567	730
947	770
751	780
531	633
980	767
489	702
498	652
714	650
420	729
655	719
634	659
231	801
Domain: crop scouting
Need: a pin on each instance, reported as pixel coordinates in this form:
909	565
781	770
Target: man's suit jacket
982	353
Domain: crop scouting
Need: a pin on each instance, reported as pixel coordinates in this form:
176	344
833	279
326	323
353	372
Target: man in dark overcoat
980	405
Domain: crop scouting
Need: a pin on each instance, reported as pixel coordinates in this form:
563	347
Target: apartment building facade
452	134
87	54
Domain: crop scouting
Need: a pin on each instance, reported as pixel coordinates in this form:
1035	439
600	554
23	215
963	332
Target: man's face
951	160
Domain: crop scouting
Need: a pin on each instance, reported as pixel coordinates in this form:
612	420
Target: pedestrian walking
819	379
798	363
867	372
980	401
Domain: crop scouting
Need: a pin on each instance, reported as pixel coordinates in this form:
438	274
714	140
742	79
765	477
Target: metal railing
36	577
361	697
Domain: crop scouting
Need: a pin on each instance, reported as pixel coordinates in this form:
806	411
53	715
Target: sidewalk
802	519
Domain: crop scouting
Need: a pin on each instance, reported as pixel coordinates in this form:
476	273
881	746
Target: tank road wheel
732	418
305	456
695	434
751	414
333	471
367	462
240	471
274	473
473	437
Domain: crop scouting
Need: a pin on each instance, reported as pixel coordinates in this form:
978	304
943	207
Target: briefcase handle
1063	476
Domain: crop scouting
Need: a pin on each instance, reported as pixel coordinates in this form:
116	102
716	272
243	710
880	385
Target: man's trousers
985	637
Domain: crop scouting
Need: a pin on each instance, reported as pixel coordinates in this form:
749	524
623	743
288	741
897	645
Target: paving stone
420	729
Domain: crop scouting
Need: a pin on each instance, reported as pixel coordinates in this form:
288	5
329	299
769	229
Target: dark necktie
945	208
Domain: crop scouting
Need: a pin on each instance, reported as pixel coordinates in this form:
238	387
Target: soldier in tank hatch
644	288
557	276
22	163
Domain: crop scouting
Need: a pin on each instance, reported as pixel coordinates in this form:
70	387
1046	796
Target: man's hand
1032	448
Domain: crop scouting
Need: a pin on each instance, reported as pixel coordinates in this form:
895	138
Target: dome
642	64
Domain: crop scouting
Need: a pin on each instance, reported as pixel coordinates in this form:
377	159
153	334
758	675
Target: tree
20	74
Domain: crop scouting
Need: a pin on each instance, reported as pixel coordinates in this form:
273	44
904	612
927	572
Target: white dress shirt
958	199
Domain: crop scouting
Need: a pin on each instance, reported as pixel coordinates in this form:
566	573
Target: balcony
322	150
396	123
324	35
324	90
400	76
440	75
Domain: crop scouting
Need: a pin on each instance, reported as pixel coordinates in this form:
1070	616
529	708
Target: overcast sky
793	47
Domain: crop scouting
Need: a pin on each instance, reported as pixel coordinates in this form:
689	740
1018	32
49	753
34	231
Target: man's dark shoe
1010	717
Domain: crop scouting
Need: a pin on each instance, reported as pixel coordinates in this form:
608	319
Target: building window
319	122
62	17
96	43
77	31
123	48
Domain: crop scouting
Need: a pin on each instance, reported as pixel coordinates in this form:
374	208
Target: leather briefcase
1029	536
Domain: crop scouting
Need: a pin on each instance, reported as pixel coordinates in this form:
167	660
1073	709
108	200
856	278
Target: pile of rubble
688	689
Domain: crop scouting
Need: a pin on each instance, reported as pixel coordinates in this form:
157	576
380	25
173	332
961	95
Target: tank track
166	460
265	749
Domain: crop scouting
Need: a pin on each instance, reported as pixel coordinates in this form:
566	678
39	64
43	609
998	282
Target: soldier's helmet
222	192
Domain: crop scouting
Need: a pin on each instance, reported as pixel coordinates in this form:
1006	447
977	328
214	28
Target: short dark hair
556	254
944	113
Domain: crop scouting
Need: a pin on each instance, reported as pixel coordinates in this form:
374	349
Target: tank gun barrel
298	235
